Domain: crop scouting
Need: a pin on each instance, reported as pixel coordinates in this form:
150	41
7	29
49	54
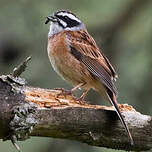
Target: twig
21	68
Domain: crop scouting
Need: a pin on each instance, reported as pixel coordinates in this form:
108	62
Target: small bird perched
75	56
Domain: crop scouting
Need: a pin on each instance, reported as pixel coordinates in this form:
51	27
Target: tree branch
64	117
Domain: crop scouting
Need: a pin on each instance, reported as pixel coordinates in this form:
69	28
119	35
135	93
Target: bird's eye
66	17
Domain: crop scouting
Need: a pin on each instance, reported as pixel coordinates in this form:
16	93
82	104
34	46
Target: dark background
122	30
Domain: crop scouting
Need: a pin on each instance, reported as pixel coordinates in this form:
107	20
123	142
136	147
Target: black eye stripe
64	18
70	22
60	24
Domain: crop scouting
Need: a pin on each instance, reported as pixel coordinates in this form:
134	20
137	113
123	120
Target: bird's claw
80	100
64	93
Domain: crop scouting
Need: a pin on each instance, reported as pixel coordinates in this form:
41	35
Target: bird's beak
50	18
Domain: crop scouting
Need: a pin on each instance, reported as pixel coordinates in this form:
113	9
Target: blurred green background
122	30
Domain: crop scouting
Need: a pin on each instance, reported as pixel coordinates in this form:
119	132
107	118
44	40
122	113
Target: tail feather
113	101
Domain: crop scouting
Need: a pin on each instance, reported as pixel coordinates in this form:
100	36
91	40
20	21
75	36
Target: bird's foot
80	100
63	92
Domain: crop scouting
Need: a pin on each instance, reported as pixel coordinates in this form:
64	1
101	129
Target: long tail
113	101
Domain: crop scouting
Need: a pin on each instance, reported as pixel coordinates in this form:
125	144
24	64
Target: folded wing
86	51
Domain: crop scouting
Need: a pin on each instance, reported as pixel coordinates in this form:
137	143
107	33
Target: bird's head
63	20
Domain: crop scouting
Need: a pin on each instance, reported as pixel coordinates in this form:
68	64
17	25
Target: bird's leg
68	92
81	99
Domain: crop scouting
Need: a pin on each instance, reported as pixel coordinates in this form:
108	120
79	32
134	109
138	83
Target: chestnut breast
63	62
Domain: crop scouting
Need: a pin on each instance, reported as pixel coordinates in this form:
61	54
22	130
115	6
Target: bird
75	56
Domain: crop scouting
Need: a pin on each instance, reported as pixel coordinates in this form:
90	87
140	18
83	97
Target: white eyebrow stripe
69	15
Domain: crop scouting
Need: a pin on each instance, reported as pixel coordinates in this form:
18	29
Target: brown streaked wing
114	74
99	71
82	48
86	45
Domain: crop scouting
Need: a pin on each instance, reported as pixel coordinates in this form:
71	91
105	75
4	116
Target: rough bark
64	117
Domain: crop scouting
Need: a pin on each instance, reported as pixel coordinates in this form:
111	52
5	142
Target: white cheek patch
54	28
70	16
